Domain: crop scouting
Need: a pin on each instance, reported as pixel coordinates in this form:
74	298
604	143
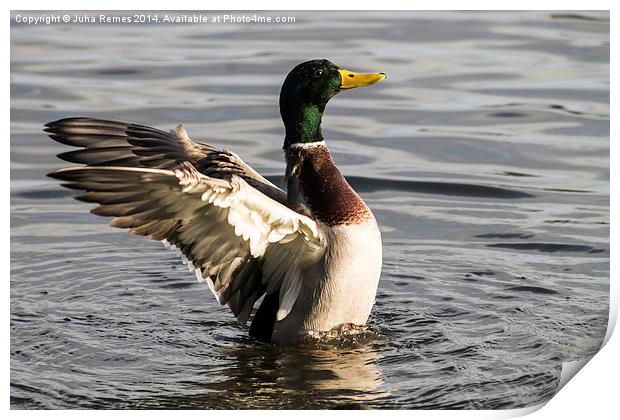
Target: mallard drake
313	252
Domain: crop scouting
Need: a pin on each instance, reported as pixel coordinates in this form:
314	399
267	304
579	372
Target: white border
311	5
592	394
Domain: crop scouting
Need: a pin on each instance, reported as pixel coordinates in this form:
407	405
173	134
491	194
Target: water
484	156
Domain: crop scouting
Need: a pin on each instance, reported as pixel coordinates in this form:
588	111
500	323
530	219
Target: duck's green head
306	91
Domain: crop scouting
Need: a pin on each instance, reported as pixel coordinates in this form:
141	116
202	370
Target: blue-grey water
484	156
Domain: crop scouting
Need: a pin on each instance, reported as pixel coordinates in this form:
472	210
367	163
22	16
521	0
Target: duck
311	252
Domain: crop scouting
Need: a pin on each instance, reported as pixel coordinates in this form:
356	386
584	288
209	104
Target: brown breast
325	191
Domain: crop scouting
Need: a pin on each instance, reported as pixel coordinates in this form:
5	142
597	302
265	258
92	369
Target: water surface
484	156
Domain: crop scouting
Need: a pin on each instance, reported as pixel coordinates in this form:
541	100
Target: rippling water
484	156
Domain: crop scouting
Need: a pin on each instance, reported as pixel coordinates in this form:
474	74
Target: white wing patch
294	238
255	217
262	222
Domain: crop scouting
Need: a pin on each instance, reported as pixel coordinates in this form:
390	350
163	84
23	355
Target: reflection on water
340	372
484	156
303	376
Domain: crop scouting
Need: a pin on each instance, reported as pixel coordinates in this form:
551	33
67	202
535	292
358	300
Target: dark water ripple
484	156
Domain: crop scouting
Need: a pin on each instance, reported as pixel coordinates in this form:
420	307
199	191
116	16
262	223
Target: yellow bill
349	80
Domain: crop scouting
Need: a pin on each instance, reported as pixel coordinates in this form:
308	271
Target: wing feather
116	143
237	239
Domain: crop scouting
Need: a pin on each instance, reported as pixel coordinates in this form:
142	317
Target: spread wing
115	143
239	240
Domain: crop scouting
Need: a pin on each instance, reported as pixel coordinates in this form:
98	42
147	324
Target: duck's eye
318	73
